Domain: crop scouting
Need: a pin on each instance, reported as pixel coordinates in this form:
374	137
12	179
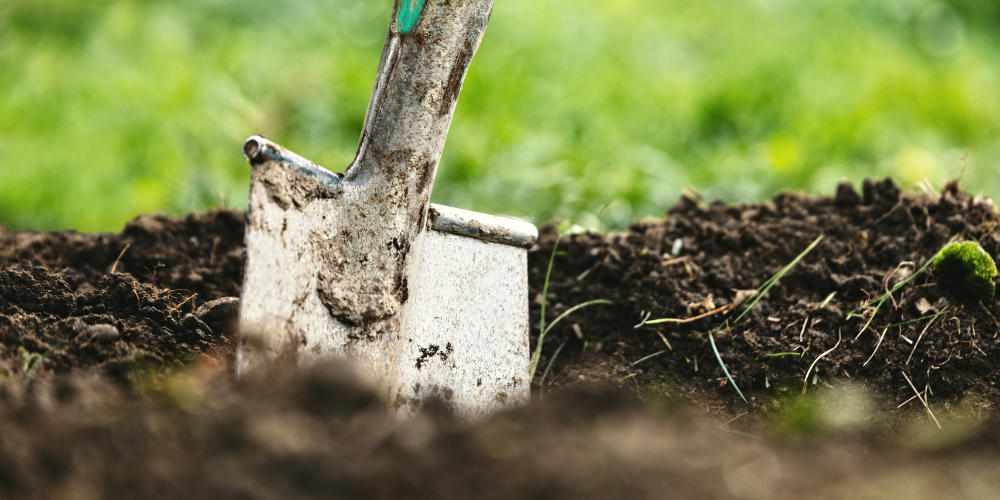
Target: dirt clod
102	333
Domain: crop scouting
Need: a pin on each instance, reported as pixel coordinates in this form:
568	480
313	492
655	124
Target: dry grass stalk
922	400
805	381
915	344
115	265
688	320
178	306
665	341
876	346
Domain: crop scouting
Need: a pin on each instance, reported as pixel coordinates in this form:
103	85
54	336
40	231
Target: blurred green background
593	111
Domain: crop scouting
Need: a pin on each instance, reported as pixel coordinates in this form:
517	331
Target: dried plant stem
922	400
876	346
178	306
115	265
688	320
988	313
915	344
665	341
805	381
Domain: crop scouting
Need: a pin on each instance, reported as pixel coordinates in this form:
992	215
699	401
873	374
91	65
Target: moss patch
968	269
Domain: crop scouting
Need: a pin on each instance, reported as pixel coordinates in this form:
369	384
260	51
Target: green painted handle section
408	15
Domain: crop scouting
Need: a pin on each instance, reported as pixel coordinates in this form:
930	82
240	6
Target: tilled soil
697	258
59	288
135	396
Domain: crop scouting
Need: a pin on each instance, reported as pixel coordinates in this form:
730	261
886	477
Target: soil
135	397
148	283
699	257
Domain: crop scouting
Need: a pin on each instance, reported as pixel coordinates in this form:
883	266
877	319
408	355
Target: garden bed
132	391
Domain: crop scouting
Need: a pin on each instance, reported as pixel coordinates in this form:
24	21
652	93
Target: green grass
778	355
929	316
115	107
867	309
542	328
33	361
761	291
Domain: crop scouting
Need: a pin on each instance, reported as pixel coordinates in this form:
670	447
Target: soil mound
165	303
698	258
117	350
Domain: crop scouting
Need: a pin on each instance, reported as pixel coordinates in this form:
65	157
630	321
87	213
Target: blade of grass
827	299
774	279
545	374
41	359
916	320
901	284
779	354
760	293
541	336
711	340
734	419
805	380
545	287
655	354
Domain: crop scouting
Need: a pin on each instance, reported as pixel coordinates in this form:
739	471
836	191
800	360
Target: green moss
968	269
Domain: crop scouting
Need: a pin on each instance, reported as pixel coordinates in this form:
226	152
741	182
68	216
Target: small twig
688	320
922	400
591	268
805	381
876	347
915	344
643	322
115	265
885	281
988	313
138	301
215	246
938	367
907	401
665	341
174	309
804	325
677	260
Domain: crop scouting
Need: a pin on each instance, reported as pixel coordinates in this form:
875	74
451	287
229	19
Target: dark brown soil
55	286
869	243
149	409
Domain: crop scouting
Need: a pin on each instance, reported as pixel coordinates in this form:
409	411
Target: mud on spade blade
429	301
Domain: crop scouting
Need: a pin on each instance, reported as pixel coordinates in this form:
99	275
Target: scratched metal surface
464	329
